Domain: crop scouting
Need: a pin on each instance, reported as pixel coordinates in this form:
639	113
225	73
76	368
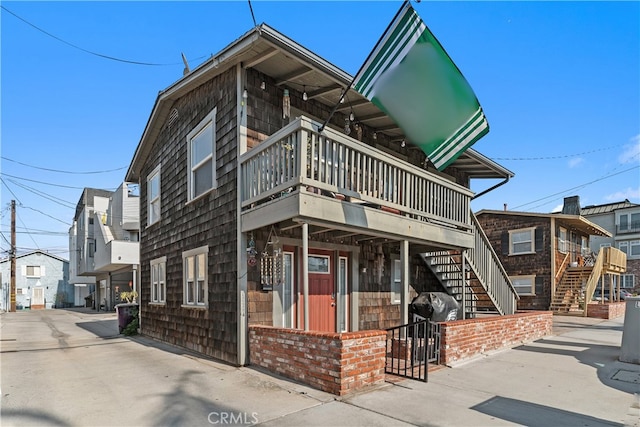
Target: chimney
571	205
505	207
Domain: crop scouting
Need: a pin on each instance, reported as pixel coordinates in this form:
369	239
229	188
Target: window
627	281
153	196
195	276
632	248
562	240
524	285
521	241
201	153
32	271
635	221
396	281
91	248
624	222
158	280
584	247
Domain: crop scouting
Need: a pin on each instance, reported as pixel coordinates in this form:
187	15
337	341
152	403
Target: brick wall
465	339
335	363
607	310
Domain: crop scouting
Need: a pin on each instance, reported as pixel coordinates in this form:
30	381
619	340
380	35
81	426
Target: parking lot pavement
70	367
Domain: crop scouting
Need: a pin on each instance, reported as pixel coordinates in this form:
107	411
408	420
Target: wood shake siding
208	221
538	263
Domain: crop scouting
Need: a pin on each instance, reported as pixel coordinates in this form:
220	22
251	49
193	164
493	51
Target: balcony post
305	273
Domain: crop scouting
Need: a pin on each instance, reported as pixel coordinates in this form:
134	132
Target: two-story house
622	221
104	242
250	215
548	256
42	282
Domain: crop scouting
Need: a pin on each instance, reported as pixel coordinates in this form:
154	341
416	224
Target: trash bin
88	301
126	313
630	349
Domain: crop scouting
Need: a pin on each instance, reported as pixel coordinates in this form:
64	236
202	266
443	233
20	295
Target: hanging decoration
286	104
271	262
252	252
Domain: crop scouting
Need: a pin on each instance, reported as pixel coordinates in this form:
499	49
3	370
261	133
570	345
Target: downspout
554	267
491	188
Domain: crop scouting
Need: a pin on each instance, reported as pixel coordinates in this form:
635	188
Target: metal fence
411	348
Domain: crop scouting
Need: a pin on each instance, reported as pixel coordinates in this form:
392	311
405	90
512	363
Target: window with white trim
521	241
195	277
396	282
627	281
562	240
201	156
32	271
584	247
524	285
158	280
153	196
631	248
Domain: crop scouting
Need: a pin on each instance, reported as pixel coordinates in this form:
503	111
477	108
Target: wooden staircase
569	298
485	286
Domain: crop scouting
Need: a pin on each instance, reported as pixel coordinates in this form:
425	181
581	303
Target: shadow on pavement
101	328
531	414
30	417
604	358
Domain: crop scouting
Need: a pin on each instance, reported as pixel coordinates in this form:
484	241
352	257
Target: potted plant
127	311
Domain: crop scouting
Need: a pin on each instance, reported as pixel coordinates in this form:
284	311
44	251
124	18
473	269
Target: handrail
490	272
592	282
299	157
562	267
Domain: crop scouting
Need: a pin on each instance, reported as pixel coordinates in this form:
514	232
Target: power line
557	157
63	171
576	187
41	182
61	202
86	50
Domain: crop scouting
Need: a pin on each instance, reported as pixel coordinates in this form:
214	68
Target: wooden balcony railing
298	157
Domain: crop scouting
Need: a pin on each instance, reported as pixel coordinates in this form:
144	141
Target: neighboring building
538	250
104	243
622	220
42	281
250	216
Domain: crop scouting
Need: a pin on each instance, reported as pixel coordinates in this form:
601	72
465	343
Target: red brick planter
335	363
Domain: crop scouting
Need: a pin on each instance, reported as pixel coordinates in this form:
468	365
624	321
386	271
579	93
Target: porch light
304	93
263	85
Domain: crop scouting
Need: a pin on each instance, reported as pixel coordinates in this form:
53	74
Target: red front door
322	294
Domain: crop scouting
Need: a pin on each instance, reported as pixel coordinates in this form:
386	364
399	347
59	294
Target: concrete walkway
70	367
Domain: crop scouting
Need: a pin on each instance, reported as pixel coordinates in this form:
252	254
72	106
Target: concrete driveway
71	368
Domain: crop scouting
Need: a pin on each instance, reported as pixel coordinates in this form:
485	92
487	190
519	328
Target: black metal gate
410	349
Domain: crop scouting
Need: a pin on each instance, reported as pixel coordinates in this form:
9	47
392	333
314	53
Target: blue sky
558	81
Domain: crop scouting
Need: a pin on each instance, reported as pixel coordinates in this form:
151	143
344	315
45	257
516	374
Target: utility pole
13	256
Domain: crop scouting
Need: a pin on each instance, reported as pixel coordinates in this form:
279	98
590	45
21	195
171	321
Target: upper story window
562	240
33	271
584	247
195	277
629	222
521	241
632	248
201	154
153	196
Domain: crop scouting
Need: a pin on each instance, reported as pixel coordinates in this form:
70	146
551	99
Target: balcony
632	228
334	181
